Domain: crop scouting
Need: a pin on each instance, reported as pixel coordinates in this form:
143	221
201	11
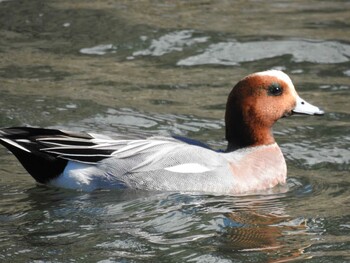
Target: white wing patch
188	168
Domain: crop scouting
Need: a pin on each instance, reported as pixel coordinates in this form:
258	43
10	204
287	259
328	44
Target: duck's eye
274	89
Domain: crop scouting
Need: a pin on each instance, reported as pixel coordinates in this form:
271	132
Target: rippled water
166	67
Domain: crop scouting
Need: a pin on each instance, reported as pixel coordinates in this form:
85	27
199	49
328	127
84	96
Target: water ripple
233	53
173	41
312	154
99	50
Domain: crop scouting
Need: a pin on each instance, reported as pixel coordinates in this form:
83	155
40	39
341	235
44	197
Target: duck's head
256	103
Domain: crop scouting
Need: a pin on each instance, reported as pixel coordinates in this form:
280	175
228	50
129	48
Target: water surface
166	67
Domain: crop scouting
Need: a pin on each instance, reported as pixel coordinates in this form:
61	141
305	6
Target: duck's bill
303	107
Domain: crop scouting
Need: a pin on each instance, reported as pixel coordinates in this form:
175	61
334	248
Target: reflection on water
143	225
165	68
233	53
174	41
99	50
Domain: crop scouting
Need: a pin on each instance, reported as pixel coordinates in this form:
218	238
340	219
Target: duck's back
154	164
89	162
169	165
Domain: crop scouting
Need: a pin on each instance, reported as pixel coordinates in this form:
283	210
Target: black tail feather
22	142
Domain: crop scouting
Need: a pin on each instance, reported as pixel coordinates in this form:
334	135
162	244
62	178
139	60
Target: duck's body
252	162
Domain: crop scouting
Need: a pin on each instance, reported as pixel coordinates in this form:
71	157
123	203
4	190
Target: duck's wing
44	153
153	163
37	141
81	147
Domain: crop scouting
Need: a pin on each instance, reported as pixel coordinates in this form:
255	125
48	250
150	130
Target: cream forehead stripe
280	75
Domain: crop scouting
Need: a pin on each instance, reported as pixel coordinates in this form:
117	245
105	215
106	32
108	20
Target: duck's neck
244	134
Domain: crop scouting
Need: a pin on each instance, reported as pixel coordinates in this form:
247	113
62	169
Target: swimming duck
252	161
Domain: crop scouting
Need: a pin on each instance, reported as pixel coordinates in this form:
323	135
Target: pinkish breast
260	168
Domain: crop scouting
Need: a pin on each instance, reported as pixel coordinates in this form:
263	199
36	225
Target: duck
252	161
